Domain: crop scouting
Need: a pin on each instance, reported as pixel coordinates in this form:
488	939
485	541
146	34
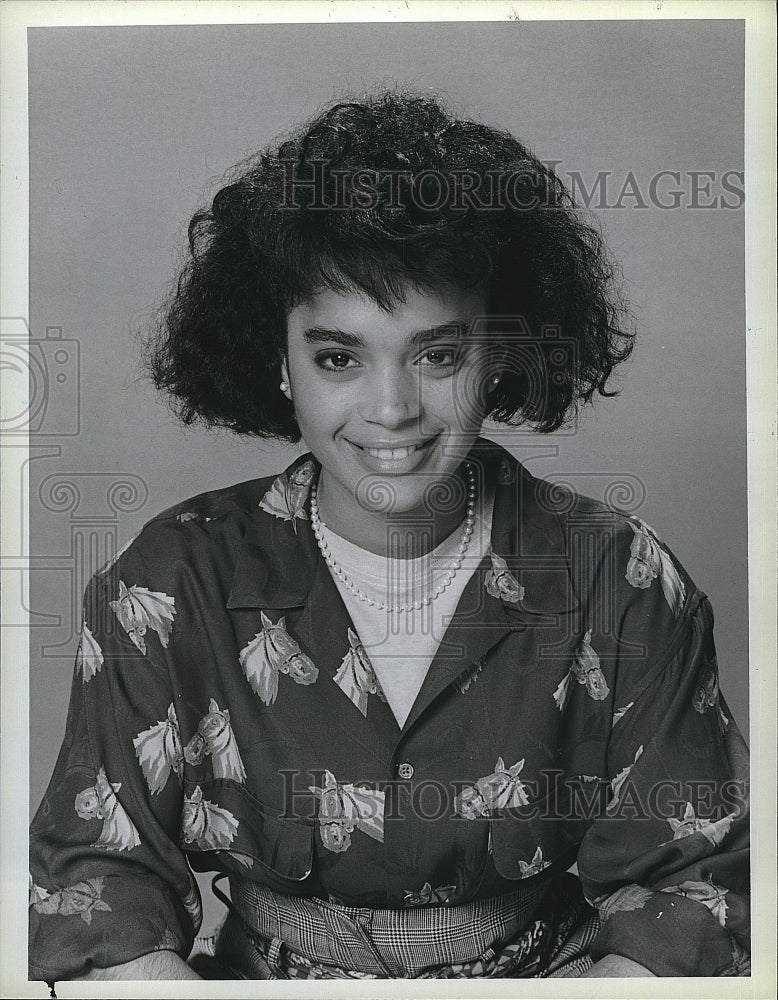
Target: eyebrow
325	335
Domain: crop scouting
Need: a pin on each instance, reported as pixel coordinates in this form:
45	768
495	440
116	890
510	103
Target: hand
616	967
157	965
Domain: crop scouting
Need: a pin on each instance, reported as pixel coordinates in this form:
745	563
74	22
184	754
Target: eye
335	361
439	357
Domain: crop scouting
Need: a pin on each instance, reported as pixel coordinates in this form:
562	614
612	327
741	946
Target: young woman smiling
375	395
393	694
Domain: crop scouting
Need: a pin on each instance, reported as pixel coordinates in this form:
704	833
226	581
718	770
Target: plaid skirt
541	932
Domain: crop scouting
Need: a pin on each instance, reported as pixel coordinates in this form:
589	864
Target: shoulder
637	564
626	560
616	560
222	506
641	609
208	528
642	616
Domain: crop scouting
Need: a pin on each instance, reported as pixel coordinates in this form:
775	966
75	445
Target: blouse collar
279	556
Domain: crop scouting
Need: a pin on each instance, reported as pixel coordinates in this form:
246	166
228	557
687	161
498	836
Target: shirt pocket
536	838
220	817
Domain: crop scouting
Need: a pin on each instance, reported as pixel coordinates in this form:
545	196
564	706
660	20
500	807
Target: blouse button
405	770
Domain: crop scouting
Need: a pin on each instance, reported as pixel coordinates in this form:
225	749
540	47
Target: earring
284	386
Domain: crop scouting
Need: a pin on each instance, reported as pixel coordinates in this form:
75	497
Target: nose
392	399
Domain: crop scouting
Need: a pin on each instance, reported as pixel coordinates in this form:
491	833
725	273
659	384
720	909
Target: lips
391	454
394	458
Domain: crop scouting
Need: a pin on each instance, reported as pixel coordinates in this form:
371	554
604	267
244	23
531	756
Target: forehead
355	313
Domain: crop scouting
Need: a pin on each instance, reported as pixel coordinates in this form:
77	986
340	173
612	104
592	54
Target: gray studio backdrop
130	129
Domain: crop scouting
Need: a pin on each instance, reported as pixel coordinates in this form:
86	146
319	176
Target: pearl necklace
340	573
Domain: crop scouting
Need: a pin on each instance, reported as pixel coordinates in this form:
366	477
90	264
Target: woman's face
388	402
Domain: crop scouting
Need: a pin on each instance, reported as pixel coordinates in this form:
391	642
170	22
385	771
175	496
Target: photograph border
16	17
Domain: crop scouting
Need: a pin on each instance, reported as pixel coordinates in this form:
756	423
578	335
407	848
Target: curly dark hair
378	196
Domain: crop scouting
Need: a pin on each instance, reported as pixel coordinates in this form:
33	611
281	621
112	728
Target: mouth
392	454
394	458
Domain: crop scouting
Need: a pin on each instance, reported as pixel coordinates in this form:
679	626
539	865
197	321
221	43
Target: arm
159	965
616	967
667	865
109	883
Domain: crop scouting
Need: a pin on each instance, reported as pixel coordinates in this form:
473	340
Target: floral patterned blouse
224	716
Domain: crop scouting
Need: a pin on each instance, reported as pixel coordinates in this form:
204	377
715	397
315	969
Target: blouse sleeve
108	881
667	863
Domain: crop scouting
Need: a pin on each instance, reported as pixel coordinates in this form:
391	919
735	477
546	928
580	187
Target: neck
401	536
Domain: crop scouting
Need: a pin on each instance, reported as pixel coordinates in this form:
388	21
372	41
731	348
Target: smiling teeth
387	454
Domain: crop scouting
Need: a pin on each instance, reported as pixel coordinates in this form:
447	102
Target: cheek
457	401
319	411
322	405
310	395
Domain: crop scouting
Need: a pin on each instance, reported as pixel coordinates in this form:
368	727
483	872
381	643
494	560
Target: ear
285	378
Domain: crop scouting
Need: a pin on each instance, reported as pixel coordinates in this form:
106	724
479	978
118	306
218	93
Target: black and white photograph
388	555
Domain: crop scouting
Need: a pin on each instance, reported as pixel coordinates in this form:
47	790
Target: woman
393	694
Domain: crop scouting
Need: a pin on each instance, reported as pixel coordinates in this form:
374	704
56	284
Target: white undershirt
401	645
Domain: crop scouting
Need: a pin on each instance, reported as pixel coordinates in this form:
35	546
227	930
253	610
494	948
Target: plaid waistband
309	934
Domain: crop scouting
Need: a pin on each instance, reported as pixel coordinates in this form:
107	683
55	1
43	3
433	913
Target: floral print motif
713	831
206	824
617	784
168	941
190	515
623	900
215	738
346	807
470	676
741	960
506	473
193	904
644	563
273	651
502	789
707	691
587	671
82	898
649	560
139	609
159	752
287	496
426	895
621	712
37	892
535	866
99	802
501	583
710	895
356	677
89	658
